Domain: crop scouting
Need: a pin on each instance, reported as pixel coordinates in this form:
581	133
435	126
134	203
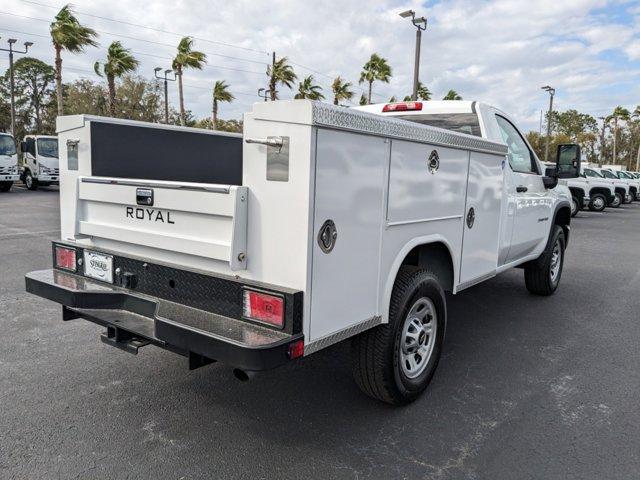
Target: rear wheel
597	203
542	276
30	182
395	362
5	186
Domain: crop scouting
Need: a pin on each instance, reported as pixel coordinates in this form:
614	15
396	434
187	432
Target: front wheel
30	182
597	203
395	362
542	276
617	200
575	208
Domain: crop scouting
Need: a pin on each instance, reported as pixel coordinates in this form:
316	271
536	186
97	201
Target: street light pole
551	92
264	93
11	51
166	89
420	24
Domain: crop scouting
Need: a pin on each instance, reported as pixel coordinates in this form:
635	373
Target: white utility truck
8	162
40	165
621	188
630	180
319	224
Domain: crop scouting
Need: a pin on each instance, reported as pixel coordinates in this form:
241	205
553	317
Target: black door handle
521	189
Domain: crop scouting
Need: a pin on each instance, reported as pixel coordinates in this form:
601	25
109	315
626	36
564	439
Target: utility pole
551	92
11	51
166	89
604	126
420	24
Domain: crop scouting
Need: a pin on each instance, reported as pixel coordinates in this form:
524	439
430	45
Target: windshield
7	145
608	174
458	122
592	173
48	147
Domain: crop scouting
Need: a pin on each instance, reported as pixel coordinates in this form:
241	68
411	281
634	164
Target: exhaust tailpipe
243	375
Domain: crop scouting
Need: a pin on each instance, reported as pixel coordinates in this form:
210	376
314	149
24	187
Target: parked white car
320	224
8	162
40	166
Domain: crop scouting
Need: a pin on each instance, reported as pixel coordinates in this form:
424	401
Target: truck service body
40	164
319	224
8	162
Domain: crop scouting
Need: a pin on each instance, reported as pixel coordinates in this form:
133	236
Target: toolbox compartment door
350	171
202	220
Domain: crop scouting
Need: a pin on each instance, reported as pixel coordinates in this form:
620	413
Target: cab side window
521	158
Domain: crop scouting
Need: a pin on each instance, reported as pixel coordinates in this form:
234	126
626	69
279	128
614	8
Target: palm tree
68	34
307	89
221	93
376	68
452	95
119	61
619	113
423	93
341	90
363	100
280	72
186	58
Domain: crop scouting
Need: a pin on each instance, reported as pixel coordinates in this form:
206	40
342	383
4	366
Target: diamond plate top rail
326	115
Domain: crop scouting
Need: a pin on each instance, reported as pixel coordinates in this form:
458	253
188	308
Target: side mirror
568	161
23	146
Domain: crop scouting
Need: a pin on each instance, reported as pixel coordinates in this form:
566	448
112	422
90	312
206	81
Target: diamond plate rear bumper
135	319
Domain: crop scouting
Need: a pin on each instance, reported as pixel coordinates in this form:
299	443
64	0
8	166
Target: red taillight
264	307
296	349
402	107
66	258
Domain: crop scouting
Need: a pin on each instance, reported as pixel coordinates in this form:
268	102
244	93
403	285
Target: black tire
618	200
598	202
538	275
575	205
5	186
376	353
30	182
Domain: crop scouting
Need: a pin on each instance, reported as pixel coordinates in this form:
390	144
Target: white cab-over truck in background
40	165
319	224
8	162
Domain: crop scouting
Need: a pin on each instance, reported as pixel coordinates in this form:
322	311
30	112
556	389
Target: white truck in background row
320	224
629	180
621	188
8	162
40	165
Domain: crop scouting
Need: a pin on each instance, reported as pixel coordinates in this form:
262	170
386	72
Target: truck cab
40	165
8	162
528	200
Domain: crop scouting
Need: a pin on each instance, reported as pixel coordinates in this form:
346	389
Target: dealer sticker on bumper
98	266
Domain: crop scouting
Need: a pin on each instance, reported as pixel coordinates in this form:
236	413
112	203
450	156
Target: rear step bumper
134	320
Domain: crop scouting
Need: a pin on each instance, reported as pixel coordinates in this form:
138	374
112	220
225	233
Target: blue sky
500	52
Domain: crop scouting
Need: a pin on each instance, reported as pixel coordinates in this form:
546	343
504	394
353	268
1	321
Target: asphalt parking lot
527	388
